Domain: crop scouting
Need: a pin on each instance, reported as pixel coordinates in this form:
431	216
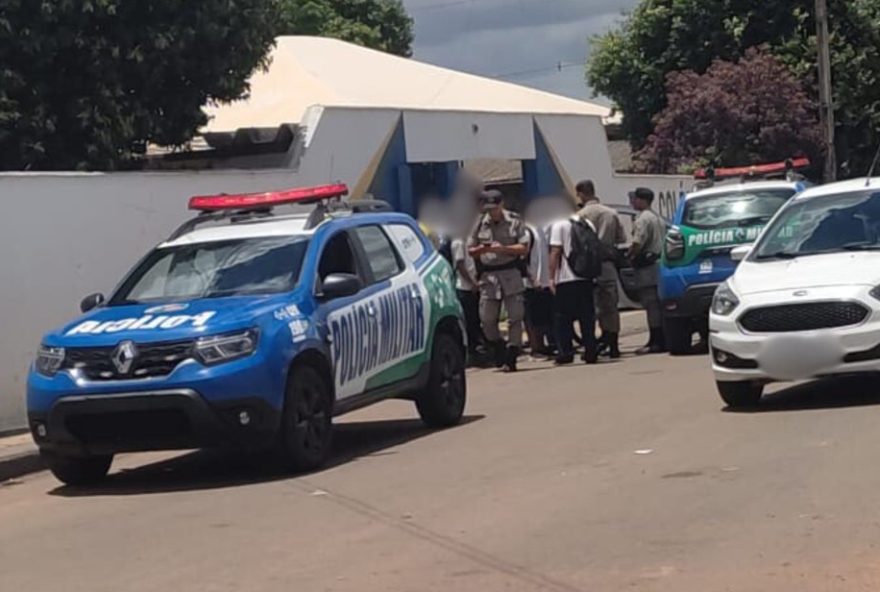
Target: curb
20	464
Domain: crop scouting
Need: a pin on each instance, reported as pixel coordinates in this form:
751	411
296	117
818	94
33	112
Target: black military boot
499	354
510	358
613	341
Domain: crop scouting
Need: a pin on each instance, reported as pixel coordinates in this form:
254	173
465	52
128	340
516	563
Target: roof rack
786	169
250	207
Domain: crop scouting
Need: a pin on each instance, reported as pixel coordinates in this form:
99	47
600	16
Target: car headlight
225	348
674	244
875	293
725	301
49	360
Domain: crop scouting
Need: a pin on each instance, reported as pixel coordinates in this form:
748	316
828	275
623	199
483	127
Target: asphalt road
626	476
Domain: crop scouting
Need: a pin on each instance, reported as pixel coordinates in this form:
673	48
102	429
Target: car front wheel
740	395
307	430
678	334
78	470
442	403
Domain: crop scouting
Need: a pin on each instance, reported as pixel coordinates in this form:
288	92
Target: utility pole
826	99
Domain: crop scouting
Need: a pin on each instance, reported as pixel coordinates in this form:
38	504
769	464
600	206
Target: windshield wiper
779	255
753	220
861	247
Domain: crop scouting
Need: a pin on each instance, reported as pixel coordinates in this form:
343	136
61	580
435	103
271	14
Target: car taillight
674	244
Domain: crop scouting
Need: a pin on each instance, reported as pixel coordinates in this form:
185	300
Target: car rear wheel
740	395
307	430
442	403
78	470
678	334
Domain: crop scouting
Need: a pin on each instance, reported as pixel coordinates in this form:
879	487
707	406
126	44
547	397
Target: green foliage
630	64
378	24
750	111
86	84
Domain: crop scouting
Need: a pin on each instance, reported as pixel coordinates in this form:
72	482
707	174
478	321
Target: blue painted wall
540	176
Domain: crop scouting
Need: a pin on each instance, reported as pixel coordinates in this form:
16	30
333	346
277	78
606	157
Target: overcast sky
521	41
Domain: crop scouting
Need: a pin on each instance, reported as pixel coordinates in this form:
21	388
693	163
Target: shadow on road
212	469
828	393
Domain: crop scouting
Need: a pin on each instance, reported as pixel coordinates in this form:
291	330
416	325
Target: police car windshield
215	269
736	208
830	224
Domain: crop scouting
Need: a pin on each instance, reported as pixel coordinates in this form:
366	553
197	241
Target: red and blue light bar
270	199
757	170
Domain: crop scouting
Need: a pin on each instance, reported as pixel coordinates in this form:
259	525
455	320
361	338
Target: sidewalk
18	456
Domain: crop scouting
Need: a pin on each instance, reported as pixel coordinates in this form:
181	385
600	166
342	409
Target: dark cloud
522	41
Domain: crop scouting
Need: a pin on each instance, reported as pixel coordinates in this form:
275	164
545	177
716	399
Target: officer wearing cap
498	243
649	230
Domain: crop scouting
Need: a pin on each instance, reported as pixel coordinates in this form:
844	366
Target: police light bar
758	170
259	201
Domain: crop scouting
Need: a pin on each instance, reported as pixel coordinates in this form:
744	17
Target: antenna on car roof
873	166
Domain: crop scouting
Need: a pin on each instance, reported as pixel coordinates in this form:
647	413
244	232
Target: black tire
78	470
307	425
441	404
678	333
740	395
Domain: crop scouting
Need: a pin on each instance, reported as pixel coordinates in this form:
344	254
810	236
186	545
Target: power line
559	67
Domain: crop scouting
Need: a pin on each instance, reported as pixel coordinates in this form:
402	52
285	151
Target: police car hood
814	271
165	322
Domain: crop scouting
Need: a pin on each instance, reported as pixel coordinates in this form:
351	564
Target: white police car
252	328
805	301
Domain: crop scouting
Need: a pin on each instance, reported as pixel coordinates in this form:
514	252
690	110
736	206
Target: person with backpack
610	230
575	263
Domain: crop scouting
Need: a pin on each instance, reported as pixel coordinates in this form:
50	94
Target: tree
630	64
86	84
753	110
378	24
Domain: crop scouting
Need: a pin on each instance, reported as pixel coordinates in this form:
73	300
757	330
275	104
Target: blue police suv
253	328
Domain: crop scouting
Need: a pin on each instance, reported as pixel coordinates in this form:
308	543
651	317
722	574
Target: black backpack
587	251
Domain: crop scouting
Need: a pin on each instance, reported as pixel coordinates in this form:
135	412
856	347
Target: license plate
706	266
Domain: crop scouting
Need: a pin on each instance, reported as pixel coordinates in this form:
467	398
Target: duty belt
518	264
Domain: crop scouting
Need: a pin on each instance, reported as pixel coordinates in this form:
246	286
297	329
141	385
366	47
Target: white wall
343	142
66	235
446	136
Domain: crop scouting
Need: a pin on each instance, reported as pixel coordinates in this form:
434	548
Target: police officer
610	231
498	243
649	231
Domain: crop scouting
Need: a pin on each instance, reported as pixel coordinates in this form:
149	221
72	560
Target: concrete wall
67	235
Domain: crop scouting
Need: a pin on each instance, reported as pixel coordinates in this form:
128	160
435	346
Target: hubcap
311	419
451	379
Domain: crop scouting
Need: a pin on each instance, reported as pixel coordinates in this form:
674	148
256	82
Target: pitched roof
306	71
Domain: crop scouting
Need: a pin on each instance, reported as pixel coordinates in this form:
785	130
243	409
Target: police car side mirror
340	285
741	252
91	301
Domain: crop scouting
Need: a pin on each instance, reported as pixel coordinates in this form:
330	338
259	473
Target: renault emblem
123	356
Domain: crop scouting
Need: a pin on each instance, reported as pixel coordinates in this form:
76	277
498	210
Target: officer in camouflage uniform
499	244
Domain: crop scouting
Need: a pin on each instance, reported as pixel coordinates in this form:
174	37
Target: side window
337	257
411	245
380	253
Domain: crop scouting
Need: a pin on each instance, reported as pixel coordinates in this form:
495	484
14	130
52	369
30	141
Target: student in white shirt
573	298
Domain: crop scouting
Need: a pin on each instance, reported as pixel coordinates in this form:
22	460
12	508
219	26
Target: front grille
130	428
152	360
803	317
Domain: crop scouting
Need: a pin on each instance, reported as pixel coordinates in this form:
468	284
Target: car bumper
160	420
738	355
193	407
694	303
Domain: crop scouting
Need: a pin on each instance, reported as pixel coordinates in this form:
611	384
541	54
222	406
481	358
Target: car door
397	312
338	316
